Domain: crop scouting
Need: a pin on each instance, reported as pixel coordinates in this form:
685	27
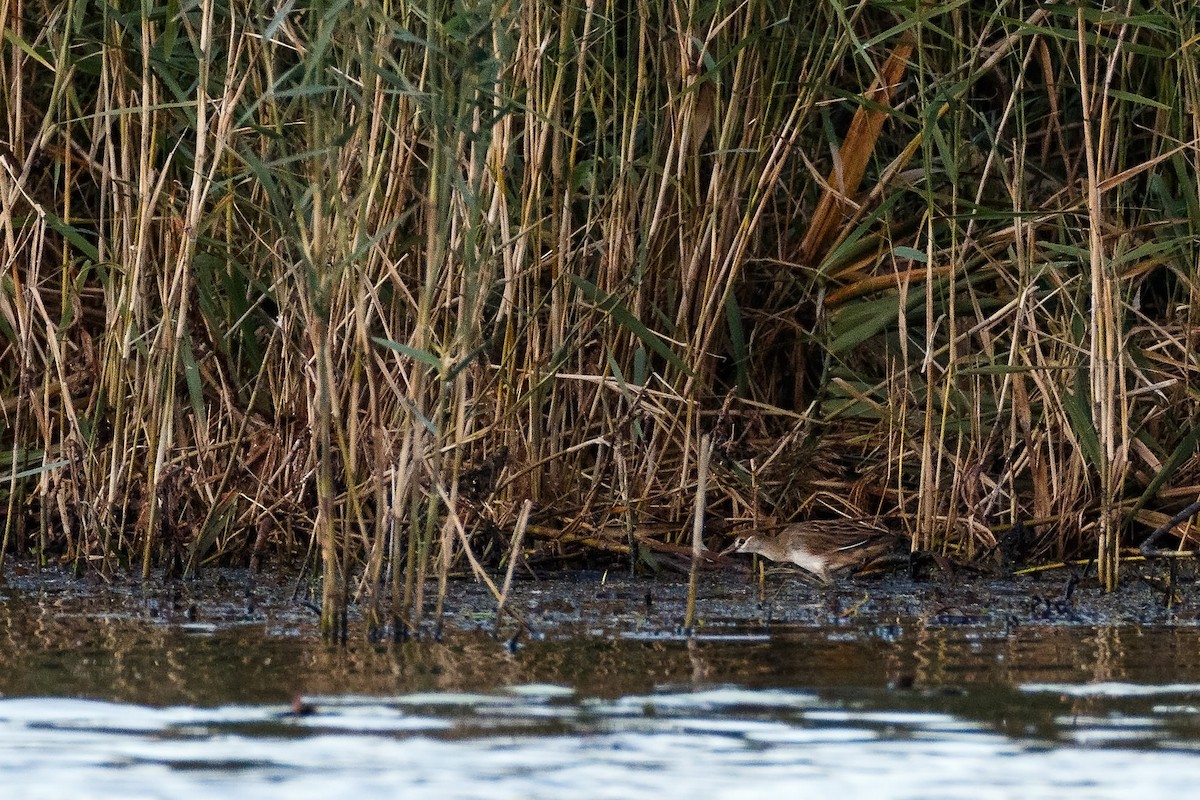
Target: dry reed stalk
514	556
850	160
1106	376
699	512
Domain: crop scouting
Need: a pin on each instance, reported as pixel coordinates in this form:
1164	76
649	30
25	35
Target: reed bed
377	281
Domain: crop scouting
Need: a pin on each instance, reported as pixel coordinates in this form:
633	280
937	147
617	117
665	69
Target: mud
612	603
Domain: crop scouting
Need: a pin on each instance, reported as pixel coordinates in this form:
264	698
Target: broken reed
296	270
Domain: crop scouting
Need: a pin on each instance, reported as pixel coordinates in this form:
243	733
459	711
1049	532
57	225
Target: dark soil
612	603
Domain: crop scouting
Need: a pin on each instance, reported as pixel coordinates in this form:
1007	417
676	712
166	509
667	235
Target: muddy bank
612	603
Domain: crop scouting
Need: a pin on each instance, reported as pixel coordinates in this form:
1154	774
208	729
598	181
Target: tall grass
287	278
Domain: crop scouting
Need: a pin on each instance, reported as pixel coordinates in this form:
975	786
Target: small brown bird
821	546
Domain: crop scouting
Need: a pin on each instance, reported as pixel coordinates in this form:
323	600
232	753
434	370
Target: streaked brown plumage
821	546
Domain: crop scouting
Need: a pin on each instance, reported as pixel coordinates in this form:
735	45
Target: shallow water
124	694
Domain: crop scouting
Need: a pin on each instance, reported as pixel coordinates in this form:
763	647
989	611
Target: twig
1147	547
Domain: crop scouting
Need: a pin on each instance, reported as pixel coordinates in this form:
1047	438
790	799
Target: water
106	699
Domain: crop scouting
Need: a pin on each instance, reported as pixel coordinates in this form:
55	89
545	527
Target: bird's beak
729	550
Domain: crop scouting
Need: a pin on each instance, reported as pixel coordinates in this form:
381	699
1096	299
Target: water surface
135	694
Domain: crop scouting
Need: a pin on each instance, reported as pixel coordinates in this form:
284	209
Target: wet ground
611	604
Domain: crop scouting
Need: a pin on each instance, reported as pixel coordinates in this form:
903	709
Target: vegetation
445	285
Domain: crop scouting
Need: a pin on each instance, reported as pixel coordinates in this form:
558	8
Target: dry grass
302	291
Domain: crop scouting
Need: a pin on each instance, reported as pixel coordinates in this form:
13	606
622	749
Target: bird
821	546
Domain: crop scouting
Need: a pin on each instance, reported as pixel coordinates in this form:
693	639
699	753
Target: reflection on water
546	742
109	704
